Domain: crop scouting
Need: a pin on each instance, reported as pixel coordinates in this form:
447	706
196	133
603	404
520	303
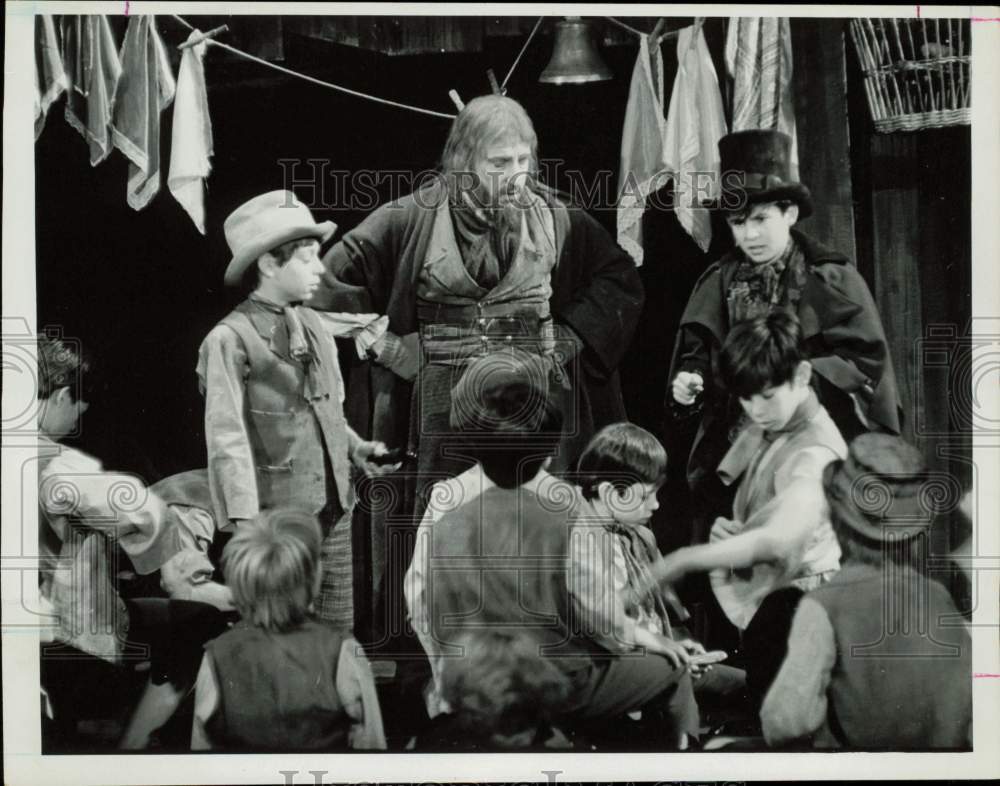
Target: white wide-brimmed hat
265	222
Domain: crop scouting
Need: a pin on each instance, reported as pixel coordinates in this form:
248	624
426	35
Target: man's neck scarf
489	239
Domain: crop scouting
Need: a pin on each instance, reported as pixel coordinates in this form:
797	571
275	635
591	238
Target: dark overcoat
843	337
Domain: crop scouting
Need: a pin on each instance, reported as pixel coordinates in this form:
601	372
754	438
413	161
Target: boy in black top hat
775	266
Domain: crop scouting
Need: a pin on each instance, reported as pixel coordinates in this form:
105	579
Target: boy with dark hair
619	475
878	657
780	534
274	419
499	557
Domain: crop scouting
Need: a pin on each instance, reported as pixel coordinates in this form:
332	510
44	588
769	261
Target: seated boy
780	534
878	658
280	680
619	474
499	558
503	695
274	418
95	528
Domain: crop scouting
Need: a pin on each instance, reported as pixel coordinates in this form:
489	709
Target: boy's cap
265	222
880	489
487	374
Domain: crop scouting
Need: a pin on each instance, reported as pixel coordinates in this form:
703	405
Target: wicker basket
916	71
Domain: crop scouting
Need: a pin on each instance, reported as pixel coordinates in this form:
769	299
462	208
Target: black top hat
755	168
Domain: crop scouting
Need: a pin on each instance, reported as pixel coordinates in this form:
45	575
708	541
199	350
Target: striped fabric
335	603
759	59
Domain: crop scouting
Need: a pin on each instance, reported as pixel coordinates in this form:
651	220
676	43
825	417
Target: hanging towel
695	124
642	169
145	89
759	59
50	76
90	58
191	142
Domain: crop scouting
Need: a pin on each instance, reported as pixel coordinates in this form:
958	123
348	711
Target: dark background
141	289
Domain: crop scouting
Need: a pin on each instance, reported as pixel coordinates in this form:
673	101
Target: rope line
316	81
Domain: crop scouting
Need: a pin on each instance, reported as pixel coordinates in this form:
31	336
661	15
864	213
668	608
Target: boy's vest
741	592
903	675
278	691
294	418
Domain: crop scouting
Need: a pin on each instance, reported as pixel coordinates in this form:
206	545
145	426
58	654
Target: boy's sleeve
796	704
356	690
593	589
206	703
222	369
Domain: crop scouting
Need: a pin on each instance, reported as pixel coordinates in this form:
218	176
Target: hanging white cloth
695	124
759	59
145	89
191	141
51	80
642	169
90	58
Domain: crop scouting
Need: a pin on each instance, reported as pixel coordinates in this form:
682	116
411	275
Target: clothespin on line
494	85
453	95
204	36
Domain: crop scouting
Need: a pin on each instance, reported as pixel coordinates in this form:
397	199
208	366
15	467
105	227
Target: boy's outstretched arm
776	533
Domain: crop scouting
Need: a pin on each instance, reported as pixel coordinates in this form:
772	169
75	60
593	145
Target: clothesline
636	32
315	81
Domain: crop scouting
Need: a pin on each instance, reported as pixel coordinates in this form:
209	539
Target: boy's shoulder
813	445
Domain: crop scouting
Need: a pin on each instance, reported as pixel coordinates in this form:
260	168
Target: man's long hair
485	121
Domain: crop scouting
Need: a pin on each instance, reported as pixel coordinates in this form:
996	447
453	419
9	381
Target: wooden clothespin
453	95
654	37
494	85
204	36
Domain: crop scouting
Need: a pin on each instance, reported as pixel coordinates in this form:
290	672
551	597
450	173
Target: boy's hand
724	528
692	647
673	651
364	451
686	387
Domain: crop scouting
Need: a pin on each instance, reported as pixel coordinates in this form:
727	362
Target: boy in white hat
274	419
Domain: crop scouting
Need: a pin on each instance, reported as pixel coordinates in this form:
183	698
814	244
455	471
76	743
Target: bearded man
483	259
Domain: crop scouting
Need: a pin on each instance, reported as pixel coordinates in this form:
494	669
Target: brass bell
574	58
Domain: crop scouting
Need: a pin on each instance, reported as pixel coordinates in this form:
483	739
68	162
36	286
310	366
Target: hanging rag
90	58
695	124
642	169
759	59
145	89
191	141
51	80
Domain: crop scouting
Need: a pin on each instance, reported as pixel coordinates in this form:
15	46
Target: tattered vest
295	424
278	691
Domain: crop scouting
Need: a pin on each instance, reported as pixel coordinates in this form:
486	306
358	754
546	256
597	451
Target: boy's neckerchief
298	345
758	289
753	437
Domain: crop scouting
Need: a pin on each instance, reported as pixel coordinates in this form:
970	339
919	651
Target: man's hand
687	386
364	451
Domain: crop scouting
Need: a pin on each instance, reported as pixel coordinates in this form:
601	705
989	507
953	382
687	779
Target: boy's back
902	679
278	691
